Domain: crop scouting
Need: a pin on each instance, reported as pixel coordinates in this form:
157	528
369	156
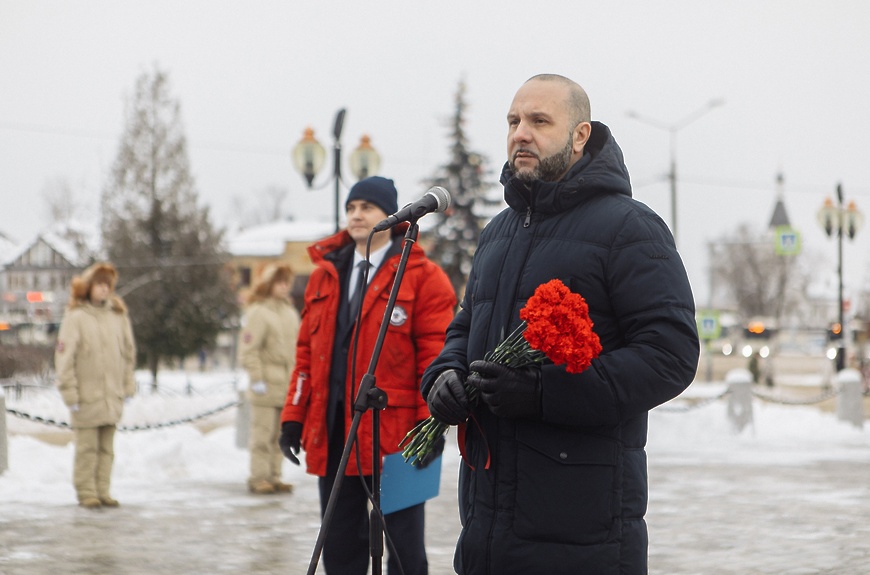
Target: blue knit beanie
377	190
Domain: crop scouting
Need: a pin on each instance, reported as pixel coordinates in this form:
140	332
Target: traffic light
756	330
835	332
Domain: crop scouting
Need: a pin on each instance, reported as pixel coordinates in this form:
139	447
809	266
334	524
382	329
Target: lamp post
364	160
840	221
309	157
672	130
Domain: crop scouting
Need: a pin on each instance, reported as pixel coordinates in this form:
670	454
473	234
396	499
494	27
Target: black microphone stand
369	397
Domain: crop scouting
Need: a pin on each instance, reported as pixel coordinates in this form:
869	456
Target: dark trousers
346	548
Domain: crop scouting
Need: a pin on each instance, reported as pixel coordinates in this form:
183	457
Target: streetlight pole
309	156
672	130
842	221
336	159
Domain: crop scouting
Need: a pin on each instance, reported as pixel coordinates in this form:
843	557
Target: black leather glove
506	391
447	400
290	440
437	449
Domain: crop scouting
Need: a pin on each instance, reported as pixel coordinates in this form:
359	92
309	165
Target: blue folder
404	485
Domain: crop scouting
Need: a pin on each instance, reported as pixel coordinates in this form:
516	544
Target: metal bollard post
243	421
850	402
739	398
4	446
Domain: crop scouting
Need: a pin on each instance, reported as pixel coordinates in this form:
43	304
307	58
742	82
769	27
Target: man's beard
549	169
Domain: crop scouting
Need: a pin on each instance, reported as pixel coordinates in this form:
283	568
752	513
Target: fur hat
377	190
271	274
100	272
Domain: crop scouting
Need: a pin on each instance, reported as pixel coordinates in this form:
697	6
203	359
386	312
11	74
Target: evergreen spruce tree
168	253
455	232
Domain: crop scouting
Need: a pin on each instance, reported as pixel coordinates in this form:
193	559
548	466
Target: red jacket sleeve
433	317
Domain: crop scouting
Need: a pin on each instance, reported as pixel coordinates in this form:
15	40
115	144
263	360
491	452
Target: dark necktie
357	293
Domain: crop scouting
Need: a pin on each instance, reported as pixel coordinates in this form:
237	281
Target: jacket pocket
565	485
316	307
396	422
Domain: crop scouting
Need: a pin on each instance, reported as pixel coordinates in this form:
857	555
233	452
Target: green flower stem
514	352
422	438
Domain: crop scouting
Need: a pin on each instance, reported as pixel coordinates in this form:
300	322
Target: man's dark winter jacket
567	494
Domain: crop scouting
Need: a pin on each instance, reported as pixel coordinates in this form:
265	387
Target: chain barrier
794	401
17	389
684	408
829	394
138	427
203	415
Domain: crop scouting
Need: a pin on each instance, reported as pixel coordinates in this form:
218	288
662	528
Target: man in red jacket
325	381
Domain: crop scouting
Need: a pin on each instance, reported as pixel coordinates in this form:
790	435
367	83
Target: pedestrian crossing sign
709	326
788	241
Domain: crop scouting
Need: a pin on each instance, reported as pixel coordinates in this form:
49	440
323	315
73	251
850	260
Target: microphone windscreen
442	196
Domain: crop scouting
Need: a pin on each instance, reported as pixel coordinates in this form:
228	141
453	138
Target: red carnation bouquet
555	325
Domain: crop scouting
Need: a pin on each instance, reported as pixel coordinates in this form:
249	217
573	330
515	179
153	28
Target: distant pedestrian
268	354
94	360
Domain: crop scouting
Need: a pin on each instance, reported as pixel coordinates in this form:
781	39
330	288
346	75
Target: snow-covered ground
162	445
40	456
779	434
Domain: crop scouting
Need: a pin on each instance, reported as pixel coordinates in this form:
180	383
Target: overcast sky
250	76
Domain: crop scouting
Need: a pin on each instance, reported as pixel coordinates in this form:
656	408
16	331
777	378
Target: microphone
437	199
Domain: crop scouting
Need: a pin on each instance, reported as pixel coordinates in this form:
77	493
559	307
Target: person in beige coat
268	353
94	360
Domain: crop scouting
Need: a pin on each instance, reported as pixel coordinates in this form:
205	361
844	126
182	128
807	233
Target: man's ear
581	135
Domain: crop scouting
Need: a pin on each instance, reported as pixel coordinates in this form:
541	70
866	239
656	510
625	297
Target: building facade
34	283
285	242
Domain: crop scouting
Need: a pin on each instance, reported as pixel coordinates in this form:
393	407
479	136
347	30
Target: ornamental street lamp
309	157
840	221
672	130
364	160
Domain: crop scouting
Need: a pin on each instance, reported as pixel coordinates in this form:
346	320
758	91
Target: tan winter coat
94	361
268	348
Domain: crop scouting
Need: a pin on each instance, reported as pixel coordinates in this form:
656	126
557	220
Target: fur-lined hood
80	286
272	273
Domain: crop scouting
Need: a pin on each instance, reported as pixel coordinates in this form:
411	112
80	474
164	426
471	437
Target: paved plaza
704	518
787	495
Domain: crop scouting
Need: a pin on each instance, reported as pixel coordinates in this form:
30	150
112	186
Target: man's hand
508	392
448	402
290	440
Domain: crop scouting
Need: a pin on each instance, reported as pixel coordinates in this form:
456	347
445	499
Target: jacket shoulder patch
399	316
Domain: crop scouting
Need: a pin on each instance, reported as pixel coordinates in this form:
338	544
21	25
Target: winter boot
281	487
109	501
261	488
90	503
